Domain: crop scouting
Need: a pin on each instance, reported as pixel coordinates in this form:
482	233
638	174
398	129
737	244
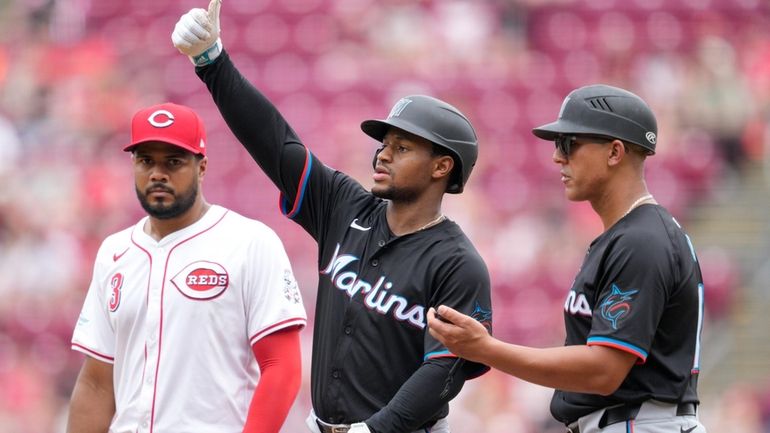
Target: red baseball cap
168	123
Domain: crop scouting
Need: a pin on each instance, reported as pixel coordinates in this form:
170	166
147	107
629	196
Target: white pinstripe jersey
177	319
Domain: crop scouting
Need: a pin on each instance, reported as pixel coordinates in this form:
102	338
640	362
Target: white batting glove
359	427
196	34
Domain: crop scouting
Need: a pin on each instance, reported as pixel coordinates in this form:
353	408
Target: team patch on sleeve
290	287
617	305
483	316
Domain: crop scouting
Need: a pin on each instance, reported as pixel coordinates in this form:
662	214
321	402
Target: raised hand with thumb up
196	34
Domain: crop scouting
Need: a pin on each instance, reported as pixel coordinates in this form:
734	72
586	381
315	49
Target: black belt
332	428
627	412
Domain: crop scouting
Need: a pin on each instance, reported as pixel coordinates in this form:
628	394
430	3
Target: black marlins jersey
374	288
639	290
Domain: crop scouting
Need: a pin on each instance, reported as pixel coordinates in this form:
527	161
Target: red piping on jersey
642	359
162	291
93	353
282	324
444	355
300	188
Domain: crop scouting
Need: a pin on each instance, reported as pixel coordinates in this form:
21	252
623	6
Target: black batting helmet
604	110
437	122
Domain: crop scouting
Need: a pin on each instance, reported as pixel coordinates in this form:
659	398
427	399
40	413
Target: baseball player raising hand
192	319
385	255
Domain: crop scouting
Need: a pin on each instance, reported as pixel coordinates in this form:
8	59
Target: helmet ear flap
376	154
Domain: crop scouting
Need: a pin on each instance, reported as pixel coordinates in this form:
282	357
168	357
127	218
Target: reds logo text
202	280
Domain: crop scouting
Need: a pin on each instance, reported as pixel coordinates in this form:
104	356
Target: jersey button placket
375	263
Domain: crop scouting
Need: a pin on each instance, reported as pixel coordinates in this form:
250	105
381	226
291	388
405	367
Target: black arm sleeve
257	124
421	399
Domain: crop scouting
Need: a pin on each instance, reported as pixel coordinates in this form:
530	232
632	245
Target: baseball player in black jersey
385	256
634	313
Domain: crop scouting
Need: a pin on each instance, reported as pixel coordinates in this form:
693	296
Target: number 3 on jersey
116	283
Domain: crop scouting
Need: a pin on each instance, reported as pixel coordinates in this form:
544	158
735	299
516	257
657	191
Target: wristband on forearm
208	56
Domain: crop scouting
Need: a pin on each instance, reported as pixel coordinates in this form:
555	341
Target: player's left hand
461	334
359	427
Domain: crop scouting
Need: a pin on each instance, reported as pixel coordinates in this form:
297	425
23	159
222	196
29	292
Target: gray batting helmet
604	110
437	122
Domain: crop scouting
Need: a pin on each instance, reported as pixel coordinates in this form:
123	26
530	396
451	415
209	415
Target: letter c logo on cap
169	119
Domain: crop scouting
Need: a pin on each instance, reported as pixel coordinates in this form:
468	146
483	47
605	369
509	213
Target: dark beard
398	195
181	204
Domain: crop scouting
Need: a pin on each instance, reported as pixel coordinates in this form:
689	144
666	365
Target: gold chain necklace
637	203
432	223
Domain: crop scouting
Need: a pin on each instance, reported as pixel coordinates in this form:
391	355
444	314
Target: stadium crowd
73	72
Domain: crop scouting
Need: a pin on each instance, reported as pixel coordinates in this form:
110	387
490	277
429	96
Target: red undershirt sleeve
280	364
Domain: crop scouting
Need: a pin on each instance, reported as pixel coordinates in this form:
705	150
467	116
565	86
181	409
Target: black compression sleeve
422	398
255	121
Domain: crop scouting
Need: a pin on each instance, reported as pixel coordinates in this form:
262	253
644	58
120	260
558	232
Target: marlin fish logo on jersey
375	294
483	316
616	305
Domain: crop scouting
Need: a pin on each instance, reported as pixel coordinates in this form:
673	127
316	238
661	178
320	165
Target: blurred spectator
719	100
